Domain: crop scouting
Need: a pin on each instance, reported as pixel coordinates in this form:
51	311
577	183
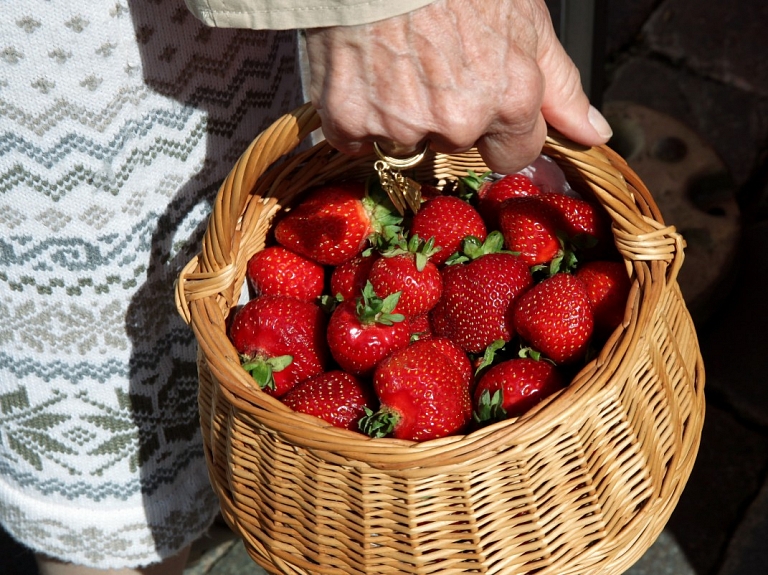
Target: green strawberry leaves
328	302
386	222
489	355
490	407
262	369
529	352
565	260
378	424
372	309
420	249
470	184
472	248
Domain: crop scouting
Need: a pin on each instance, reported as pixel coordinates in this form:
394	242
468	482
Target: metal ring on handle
401	163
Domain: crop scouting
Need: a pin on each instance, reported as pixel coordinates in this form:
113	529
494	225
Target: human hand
459	73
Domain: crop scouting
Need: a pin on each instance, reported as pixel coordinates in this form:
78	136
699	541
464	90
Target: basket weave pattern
582	484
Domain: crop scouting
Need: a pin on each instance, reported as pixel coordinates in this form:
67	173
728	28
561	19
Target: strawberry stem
414	245
472	248
470	184
378	424
372	309
489	355
262	369
490	407
386	223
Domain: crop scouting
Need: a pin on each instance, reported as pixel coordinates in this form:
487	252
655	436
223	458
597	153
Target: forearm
290	14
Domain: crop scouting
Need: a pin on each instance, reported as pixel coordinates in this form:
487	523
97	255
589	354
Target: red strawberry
281	341
406	268
530	228
585	224
333	224
334	396
362	332
512	387
478	297
492	193
278	271
420	327
349	278
555	318
457	357
509	186
422	393
448	220
608	287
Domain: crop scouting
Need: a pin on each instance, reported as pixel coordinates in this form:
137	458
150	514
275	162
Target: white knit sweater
118	121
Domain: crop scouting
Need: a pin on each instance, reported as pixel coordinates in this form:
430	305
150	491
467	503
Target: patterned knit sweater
118	121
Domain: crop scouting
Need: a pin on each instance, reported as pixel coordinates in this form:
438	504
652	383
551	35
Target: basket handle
212	271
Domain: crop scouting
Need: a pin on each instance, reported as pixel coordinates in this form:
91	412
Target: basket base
221	551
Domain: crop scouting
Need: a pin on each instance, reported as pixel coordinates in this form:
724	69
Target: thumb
565	106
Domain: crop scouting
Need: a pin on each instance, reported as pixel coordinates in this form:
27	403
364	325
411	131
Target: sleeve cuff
294	14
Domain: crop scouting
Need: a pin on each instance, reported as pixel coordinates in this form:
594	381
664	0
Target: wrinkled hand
460	73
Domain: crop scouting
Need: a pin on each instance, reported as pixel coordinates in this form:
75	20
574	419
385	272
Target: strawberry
530	228
508	186
348	279
608	288
364	331
281	341
405	268
492	193
334	223
276	270
475	308
457	357
334	396
422	393
448	220
585	224
512	387
420	327
555	318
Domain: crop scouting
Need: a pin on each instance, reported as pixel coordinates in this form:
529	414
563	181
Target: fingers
344	134
506	146
337	138
507	152
399	132
400	81
353	126
565	106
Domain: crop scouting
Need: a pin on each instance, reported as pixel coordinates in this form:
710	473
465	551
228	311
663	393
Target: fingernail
599	123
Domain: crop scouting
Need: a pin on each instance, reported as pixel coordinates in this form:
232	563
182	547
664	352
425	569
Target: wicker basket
584	483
